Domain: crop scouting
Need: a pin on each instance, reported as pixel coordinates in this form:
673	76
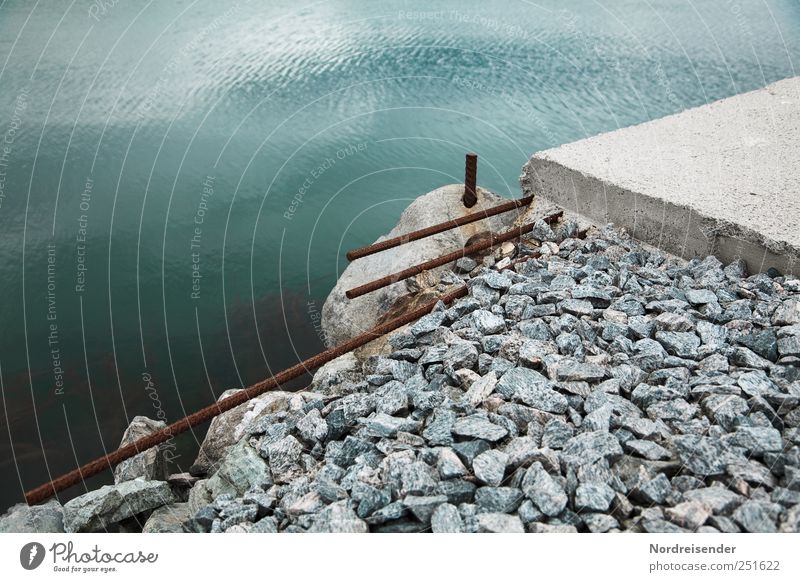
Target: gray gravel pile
600	387
603	387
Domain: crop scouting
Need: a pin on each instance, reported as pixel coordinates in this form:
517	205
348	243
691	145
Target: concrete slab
721	179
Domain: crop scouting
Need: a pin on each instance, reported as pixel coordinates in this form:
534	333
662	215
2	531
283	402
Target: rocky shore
599	387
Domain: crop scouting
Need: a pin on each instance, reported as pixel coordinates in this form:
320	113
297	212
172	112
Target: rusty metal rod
470	197
437	228
108	461
444	259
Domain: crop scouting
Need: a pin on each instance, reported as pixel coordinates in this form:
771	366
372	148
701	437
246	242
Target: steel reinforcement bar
444	259
437	228
112	459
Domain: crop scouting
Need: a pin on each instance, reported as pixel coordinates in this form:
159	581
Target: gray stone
479	427
789	346
754	517
24	518
423	506
167	519
599	523
647	449
572	371
440	427
449	465
577	307
499	523
589	447
338	518
700	296
417	478
545	492
756	440
518	379
787	313
150	464
284	459
464	265
556	434
383	425
481	389
427	323
541	397
111	504
681	344
719	499
312	427
703	456
490	467
765	344
498	499
446	519
655	490
689	514
593	496
461	355
486	322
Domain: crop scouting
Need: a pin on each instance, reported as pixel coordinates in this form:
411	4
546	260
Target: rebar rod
112	459
495	239
437	228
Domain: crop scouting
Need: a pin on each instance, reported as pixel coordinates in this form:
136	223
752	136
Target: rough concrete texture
720	179
343	318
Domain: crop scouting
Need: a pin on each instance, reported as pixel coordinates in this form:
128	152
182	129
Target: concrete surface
722	179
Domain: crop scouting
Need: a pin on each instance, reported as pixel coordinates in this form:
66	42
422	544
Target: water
180	181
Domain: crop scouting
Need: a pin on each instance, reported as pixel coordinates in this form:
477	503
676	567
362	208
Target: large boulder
22	518
150	464
226	429
112	504
343	318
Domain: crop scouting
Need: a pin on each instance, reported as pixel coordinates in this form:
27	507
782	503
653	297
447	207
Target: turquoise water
179	181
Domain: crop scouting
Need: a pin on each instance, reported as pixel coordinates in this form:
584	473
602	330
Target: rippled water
155	151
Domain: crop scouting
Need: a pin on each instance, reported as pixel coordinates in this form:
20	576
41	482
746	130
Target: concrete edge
677	229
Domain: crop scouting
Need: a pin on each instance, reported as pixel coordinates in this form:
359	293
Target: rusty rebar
437	228
108	461
495	239
470	197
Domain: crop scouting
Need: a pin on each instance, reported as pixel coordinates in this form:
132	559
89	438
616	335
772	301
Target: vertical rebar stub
470	175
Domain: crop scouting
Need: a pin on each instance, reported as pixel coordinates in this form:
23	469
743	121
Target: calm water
179	181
